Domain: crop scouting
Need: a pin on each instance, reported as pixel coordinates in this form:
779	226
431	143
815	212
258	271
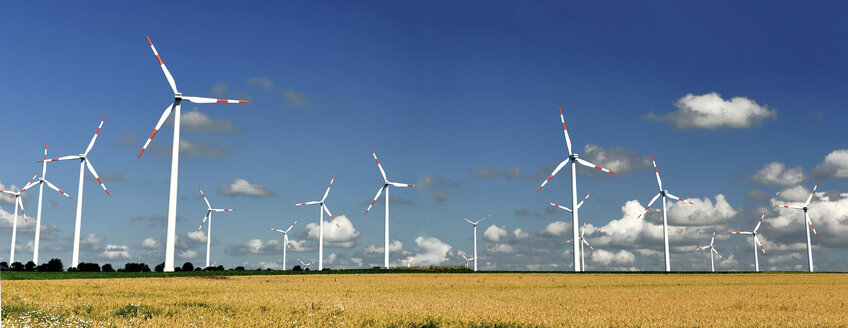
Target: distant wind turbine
466	259
582	232
475	238
665	194
304	265
209	227
321	222
286	243
755	241
712	249
408	261
386	184
18	205
807	222
573	159
171	236
41	182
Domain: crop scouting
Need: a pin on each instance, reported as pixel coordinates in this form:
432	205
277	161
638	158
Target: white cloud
188	254
710	111
433	251
835	165
703	212
242	187
114	252
344	235
518	233
617	159
494	233
609	258
4	198
256	246
500	249
794	194
150	243
555	229
197	122
198	236
776	173
394	246
197	149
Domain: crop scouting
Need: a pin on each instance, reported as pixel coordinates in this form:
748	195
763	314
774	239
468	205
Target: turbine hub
574	156
178	95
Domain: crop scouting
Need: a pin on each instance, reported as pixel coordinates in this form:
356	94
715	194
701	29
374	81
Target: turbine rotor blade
565	131
94	173
659	182
678	198
91	144
328	189
202	100
760	222
307	203
810	222
383	173
789	206
757	240
64	158
21	204
402	185
57	189
649	205
162	119
379	192
811	195
204	220
292	225
208	206
584	199
740	233
164	69
559	167
223	210
587	163
560	206
327	210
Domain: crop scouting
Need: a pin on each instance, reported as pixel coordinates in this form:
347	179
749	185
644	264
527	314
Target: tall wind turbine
583	241
386	184
711	247
40	183
321	223
84	161
174	107
408	261
665	194
475	238
18	204
807	222
573	159
466	259
285	240
209	227
755	241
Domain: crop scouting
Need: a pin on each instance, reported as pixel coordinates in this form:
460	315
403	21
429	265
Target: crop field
432	300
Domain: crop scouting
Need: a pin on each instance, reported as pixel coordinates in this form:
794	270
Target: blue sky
743	106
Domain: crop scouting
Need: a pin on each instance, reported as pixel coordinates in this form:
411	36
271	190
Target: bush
239	268
297	268
17	266
4	266
160	267
188	266
87	267
30	266
107	268
136	267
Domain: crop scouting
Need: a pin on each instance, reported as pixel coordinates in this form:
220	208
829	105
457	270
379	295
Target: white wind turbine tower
386	184
40	183
285	240
755	241
582	231
475	237
304	265
175	153
321	223
807	222
209	227
711	247
665	194
408	261
466	258
18	204
84	161
573	159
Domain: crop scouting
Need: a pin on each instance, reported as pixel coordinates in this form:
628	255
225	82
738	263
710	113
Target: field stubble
433	300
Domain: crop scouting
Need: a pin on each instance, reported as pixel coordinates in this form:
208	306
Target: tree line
55	265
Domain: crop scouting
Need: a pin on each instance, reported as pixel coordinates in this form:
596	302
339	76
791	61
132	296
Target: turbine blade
789	206
677	198
57	189
204	220
327	210
559	167
810	222
383	173
569	241
716	253
208	206
587	163
21	205
379	191
307	203
65	158
659	181
649	205
162	119
811	195
565	131
202	100
223	210
91	144
587	244
740	233
584	199
757	240
712	241
328	189
760	222
469	221
560	206
402	185
277	230
164	69
292	225
94	173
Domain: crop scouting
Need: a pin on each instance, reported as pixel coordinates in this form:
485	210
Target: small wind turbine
806	223
286	243
386	184
408	261
18	204
583	241
475	238
321	223
755	241
466	259
574	159
711	247
304	265
665	194
84	161
171	234
209	227
41	182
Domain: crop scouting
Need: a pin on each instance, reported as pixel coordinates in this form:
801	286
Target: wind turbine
209	227
807	222
170	239
408	261
84	161
40	183
304	265
386	184
755	241
711	247
573	159
665	194
466	259
321	223
582	242
475	238
18	204
285	240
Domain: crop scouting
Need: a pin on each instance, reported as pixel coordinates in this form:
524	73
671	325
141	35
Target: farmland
432	300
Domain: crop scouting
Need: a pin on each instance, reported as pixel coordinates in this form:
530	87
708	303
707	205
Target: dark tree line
55	265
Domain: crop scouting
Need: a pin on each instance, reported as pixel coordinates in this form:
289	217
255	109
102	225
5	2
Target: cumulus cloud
495	233
618	159
776	173
518	233
242	187
710	111
794	194
344	235
703	212
500	249
394	247
256	246
188	254
555	229
432	251
835	165
508	173
198	122
198	236
4	198
604	257
150	243
199	149
290	97
116	252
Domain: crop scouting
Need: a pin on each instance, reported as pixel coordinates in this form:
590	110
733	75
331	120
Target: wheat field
432	300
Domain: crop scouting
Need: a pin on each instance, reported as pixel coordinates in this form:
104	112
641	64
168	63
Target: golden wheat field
432	300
